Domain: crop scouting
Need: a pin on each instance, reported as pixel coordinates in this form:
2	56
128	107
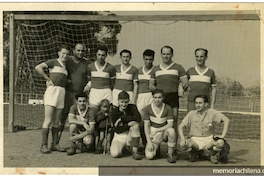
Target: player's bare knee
219	145
149	155
114	153
171	132
87	140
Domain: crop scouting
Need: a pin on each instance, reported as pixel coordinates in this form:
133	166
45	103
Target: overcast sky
233	45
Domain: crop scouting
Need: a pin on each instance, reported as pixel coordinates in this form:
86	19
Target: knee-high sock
55	132
45	135
135	141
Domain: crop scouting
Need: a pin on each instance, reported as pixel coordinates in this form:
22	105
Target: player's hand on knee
218	136
184	145
150	147
152	134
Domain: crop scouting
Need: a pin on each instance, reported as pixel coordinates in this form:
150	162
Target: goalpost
71	29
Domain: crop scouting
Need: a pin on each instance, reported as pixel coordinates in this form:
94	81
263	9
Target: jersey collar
197	70
166	67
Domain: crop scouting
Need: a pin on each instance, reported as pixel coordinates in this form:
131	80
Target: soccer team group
121	109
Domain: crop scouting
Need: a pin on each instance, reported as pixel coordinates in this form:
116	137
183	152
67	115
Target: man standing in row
166	77
202	80
126	78
101	77
77	79
144	93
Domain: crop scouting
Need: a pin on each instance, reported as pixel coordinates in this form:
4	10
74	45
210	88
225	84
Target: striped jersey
200	83
157	120
100	78
168	78
125	78
82	116
143	80
57	72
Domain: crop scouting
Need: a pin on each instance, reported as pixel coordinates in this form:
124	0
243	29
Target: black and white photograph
110	88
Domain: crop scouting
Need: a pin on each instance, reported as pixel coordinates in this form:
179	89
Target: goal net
233	45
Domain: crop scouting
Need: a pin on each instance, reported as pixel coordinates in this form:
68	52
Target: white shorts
54	96
97	95
116	93
158	137
143	100
202	141
125	138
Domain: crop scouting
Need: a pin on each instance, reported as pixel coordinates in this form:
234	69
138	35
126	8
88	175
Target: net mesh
39	42
230	44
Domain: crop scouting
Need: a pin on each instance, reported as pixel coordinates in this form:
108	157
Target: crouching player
201	136
82	122
158	126
102	127
126	120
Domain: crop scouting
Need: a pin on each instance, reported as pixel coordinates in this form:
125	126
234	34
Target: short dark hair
168	48
203	97
102	48
202	49
149	52
158	91
63	46
126	51
105	101
123	95
81	94
78	44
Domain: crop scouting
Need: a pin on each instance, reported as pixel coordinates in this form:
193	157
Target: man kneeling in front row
158	126
125	120
82	122
201	136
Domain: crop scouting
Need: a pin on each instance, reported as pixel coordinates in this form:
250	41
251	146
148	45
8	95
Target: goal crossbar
179	16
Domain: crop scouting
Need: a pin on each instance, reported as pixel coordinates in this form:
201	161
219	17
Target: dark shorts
172	99
69	101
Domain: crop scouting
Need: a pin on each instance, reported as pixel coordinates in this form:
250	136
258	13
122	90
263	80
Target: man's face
100	56
123	104
166	55
200	57
82	102
158	99
125	58
148	61
200	104
63	54
78	51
